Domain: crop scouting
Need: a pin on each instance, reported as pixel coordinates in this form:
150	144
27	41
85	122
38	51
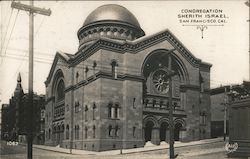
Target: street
204	151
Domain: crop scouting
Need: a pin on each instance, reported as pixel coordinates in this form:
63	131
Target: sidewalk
146	148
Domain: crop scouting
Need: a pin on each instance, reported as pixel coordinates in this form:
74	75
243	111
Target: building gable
59	55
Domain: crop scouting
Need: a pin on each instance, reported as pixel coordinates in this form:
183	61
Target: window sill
114	118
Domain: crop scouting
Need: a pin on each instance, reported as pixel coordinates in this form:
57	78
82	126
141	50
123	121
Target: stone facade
113	93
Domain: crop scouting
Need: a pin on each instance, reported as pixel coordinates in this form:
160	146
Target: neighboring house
219	104
113	92
14	116
239	120
219	97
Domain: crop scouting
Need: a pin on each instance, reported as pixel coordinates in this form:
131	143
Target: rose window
160	81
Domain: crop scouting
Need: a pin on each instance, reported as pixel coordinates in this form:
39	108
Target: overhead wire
10	36
3	42
36	33
82	66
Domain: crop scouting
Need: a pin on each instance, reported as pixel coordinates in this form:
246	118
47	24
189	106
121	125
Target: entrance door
177	129
163	130
148	130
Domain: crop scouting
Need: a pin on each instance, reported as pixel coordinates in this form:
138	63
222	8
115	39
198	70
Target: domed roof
110	21
112	12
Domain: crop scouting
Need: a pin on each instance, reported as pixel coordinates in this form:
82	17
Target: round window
160	81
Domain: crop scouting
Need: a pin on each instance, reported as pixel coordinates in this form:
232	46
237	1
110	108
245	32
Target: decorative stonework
108	30
136	46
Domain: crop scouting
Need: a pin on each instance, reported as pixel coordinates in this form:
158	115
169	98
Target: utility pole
225	113
171	120
247	3
31	9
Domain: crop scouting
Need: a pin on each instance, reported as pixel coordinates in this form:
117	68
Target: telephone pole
248	4
171	118
31	9
225	113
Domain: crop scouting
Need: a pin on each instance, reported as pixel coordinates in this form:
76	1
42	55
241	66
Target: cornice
132	47
106	75
136	46
145	112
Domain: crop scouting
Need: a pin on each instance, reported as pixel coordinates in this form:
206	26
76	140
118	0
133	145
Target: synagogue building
114	91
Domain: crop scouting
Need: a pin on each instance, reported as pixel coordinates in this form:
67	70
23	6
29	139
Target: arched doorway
177	128
148	130
163	130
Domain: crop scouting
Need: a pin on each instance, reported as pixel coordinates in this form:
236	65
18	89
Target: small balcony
160	105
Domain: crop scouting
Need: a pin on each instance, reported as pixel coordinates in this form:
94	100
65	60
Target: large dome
112	12
110	21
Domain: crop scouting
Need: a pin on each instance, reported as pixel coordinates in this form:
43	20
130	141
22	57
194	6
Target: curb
168	147
100	153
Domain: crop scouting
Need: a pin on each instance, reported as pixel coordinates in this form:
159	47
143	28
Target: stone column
155	137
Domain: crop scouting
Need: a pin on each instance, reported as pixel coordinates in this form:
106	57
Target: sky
225	47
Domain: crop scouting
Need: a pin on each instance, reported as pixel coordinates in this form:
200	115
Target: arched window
75	132
203	118
77	106
49	133
201	83
116	131
67	107
86	113
78	131
94	109
94	66
134	131
86	72
116	114
67	132
113	111
86	132
109	110
77	77
60	91
94	131
134	103
110	130
146	102
114	69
